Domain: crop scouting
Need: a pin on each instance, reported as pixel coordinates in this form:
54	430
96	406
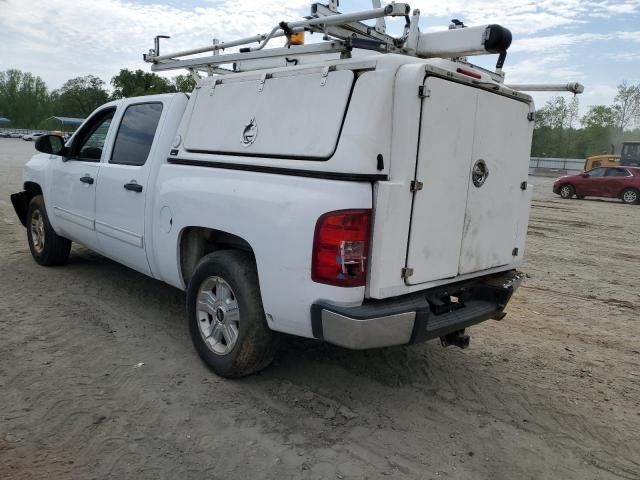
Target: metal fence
553	167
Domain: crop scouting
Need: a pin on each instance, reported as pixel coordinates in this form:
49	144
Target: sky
595	42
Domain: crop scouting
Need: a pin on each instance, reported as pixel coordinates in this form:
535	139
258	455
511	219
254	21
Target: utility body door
123	185
444	159
73	188
472	161
501	151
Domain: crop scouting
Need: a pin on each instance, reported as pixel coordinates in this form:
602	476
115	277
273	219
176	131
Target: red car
609	182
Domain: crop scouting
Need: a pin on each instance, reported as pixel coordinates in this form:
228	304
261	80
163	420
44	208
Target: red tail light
341	248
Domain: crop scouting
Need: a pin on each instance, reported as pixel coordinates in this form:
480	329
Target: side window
90	142
617	172
596	173
135	135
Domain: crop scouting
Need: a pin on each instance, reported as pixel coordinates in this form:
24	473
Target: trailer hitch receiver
456	339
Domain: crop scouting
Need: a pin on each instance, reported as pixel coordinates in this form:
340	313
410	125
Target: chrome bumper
417	317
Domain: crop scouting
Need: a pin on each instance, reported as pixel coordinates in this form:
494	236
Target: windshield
630	154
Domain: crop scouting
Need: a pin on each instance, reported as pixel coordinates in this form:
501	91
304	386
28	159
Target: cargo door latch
416	186
406	273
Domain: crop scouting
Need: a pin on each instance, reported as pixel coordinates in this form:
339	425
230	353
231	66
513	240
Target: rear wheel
47	247
631	196
567	191
226	319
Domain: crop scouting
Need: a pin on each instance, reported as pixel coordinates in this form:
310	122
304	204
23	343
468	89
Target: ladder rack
343	32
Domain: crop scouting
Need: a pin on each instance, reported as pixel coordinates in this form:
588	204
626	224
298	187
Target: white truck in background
365	200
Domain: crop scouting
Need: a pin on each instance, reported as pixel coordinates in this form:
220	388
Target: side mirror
51	144
584	175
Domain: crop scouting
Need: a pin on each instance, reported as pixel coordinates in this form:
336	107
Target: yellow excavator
629	157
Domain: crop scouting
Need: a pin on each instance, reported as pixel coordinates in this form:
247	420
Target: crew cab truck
367	202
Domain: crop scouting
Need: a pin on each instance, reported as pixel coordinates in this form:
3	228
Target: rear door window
617	172
135	135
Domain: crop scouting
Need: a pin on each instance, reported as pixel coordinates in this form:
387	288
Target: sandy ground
98	378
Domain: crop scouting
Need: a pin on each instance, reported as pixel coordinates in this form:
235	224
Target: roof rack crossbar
319	21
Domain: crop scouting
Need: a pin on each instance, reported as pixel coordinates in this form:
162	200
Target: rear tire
226	320
631	196
567	191
47	247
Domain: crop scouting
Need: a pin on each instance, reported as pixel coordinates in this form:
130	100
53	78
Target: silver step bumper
417	317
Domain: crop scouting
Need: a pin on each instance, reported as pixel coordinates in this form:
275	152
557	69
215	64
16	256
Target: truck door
73	194
122	187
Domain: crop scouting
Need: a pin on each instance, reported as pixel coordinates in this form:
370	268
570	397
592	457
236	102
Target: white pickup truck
367	202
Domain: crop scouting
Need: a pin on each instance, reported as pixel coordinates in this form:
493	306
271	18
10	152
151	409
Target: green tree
24	98
79	96
184	83
555	134
627	106
128	83
599	116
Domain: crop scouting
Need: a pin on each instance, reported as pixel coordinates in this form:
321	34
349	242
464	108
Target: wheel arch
195	242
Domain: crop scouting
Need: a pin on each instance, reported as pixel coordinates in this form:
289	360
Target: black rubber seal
349	177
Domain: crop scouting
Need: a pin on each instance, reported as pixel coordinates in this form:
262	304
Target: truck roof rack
342	33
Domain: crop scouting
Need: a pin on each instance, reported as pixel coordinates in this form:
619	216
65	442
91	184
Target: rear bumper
417	317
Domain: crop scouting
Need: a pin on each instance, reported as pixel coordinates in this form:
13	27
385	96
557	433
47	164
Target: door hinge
416	186
531	116
515	252
406	273
423	92
325	74
262	81
214	84
523	186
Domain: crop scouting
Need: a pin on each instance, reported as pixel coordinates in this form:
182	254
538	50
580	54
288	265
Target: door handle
87	179
133	186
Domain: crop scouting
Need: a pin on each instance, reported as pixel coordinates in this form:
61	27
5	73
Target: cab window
90	141
135	134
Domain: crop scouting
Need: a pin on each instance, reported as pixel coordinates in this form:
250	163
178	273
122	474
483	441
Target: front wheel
47	247
567	191
631	196
226	320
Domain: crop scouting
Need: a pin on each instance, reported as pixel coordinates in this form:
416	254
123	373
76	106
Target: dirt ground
98	378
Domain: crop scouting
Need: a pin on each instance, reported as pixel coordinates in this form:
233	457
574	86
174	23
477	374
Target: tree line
26	100
561	132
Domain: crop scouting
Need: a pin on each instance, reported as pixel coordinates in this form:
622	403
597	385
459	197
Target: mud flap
20	202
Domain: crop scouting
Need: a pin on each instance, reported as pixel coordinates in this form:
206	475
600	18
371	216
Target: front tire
47	247
226	320
631	196
567	191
